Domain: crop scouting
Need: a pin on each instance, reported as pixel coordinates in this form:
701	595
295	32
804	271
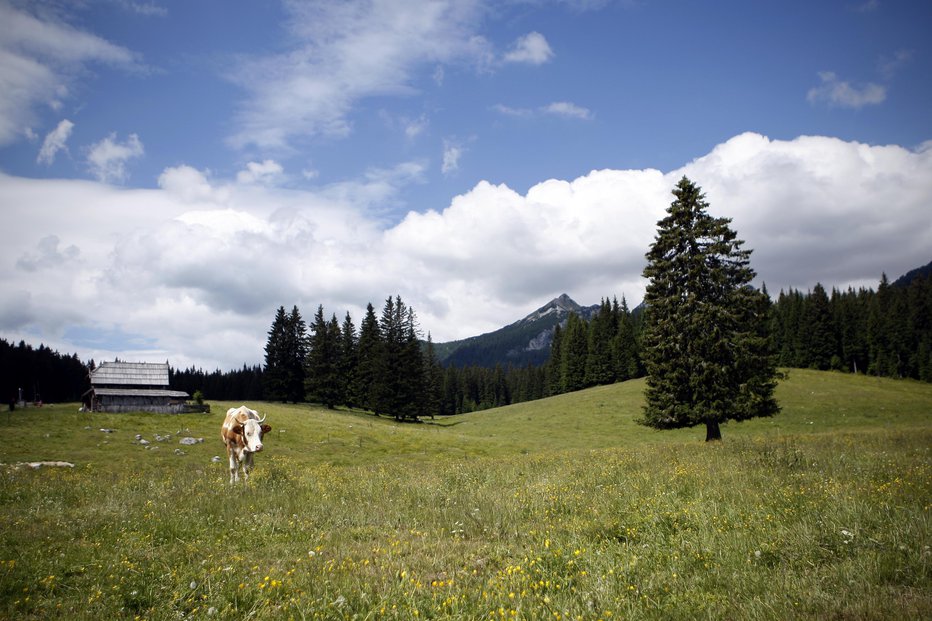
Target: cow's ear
237	429
266	428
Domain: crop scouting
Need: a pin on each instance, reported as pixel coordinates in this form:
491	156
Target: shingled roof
133	386
131	374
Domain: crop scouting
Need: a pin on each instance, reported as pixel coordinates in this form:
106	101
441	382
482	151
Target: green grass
559	509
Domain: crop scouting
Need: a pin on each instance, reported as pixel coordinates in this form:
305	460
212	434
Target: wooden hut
133	387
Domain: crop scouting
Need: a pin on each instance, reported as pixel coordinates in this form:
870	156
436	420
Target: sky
173	172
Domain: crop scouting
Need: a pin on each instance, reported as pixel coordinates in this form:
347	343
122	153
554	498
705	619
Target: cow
242	433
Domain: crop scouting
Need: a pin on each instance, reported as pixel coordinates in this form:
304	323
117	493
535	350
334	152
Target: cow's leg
234	466
247	466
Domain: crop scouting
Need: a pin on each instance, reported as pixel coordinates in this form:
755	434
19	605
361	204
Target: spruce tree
574	353
276	372
820	332
323	381
625	354
554	364
348	361
705	341
599	367
295	355
368	352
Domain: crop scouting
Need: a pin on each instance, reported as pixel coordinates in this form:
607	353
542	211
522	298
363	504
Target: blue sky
186	167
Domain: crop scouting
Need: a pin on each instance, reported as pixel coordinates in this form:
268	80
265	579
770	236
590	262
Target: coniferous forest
384	364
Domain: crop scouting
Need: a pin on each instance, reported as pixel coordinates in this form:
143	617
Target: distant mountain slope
524	342
911	275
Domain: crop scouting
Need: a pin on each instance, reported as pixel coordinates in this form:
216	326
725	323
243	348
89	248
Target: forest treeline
40	374
887	332
385	365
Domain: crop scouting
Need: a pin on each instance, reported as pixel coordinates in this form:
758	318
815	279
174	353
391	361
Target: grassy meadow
557	509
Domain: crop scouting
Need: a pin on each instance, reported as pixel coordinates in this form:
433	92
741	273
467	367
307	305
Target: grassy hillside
559	509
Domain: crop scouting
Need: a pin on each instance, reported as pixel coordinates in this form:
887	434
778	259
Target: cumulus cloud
267	171
345	52
107	159
39	57
840	93
531	49
54	142
191	185
47	255
200	264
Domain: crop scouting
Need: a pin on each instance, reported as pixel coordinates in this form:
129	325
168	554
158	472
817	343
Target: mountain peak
526	341
561	305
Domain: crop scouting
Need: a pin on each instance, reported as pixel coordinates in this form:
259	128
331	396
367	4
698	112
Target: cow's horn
262	420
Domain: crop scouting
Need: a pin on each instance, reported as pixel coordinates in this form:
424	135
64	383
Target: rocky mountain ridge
526	341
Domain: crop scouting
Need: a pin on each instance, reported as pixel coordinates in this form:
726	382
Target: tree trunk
712	432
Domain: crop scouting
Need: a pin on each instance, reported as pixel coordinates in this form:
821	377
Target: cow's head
252	431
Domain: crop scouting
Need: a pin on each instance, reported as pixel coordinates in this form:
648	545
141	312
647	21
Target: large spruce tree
276	370
322	380
706	345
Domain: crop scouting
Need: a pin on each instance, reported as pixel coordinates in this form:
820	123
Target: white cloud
200	264
415	127
836	92
143	8
452	152
54	142
568	109
267	171
39	56
191	186
345	52
107	158
48	255
531	49
565	109
510	111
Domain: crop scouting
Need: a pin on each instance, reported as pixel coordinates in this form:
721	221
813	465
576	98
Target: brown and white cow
242	433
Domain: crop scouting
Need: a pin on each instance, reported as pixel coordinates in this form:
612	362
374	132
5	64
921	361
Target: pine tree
296	347
276	371
820	342
625	354
322	379
574	353
599	367
882	357
434	389
368	352
348	361
705	341
554	364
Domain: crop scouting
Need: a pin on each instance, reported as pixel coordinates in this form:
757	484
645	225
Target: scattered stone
190	441
139	436
211	611
144	442
179	452
35	465
216	459
105	430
